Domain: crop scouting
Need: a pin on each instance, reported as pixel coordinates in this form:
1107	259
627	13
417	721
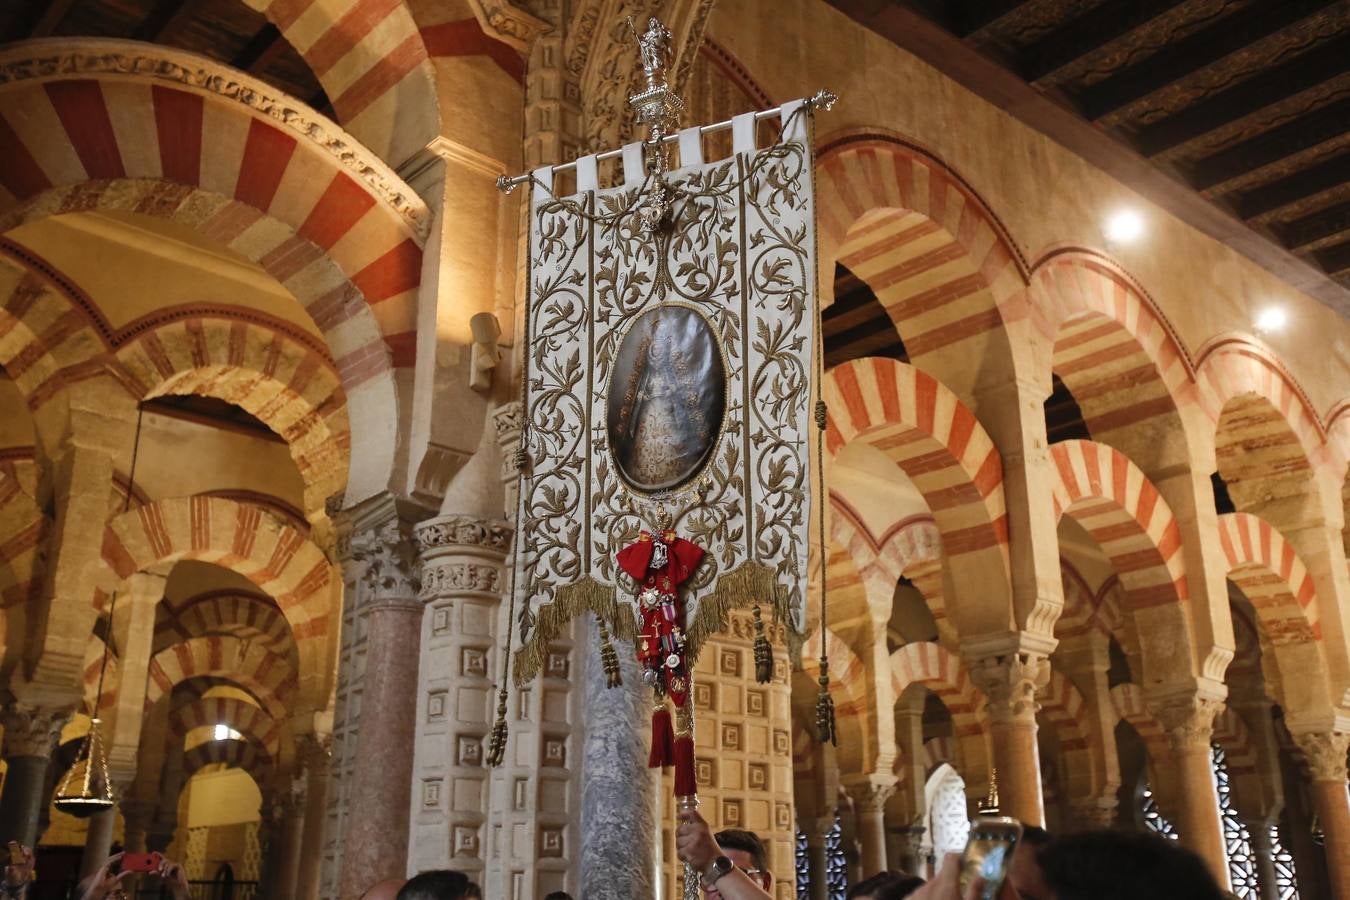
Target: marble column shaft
1010	683
869	803
289	833
1325	753
1263	857
1189	723
30	738
617	822
375	840
316	751
97	841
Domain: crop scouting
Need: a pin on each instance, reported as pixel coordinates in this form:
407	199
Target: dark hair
558	895
1034	836
440	884
1116	865
886	886
746	842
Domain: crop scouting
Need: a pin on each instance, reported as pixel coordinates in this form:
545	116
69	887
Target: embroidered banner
669	376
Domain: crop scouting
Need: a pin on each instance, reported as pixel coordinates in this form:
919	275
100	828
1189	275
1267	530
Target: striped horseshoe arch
269	678
231	753
937	442
23	528
248	616
246	539
1272	576
253	722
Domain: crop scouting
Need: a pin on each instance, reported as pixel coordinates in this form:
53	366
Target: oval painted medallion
667	396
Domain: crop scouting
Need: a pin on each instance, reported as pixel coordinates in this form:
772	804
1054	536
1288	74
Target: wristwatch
719	867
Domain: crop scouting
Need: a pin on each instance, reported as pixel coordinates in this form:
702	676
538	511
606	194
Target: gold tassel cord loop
822	414
497	739
763	652
825	725
609	659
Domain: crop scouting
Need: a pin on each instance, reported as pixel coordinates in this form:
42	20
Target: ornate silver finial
657	107
654	45
506	184
822	99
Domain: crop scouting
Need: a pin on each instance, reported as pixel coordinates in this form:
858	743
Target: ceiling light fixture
1124	226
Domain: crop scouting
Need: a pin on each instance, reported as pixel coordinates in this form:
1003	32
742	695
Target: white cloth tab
743	133
633	171
796	131
588	174
541	184
691	147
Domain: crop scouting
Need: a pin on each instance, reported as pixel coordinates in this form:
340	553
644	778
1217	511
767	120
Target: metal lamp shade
86	789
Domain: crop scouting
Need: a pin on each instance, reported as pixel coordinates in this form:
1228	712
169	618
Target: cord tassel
497	739
608	658
763	652
825	730
663	739
684	766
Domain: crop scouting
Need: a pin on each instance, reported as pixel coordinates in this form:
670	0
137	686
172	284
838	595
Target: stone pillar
1263	857
616	800
1091	813
869	795
30	737
315	751
463	579
375	838
1325	753
134	634
137	817
818	858
1189	723
290	827
1010	683
907	849
97	841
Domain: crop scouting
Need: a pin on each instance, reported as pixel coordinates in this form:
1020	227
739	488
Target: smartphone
16	857
141	862
988	853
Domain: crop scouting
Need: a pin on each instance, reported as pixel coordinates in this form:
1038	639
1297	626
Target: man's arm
698	847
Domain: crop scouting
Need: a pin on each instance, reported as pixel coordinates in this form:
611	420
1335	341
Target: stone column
315	751
906	854
1263	857
1010	683
1189	723
97	841
30	737
375	839
463	578
134	634
870	794
137	816
818	858
1091	813
1325	753
289	811
616	796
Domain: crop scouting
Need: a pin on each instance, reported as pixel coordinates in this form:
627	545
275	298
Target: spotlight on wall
1272	318
1124	226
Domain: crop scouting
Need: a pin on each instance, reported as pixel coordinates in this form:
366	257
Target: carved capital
454	578
1010	683
464	531
314	751
1189	721
871	792
1325	752
388	560
911	840
508	23
32	730
1094	812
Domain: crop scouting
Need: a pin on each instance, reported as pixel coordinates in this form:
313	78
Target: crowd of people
1091	865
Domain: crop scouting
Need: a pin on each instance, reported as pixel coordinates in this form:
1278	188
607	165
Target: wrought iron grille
802	857
1237	841
1153	819
836	867
1286	876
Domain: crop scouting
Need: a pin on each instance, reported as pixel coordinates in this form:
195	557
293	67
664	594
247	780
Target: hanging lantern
87	790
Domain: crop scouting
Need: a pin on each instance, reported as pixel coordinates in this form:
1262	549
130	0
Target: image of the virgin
666	398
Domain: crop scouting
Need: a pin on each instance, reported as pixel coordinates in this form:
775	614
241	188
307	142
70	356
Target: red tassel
663	740
684	767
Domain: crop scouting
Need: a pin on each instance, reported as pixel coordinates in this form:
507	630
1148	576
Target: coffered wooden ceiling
1240	108
227	31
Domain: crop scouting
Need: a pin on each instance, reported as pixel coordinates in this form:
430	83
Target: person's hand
175	879
16	876
104	882
947	884
695	843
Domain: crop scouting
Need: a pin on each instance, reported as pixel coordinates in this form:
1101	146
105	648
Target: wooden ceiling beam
1302	134
162	19
1200	50
1091	31
975	16
260	50
1306	72
52	17
1336	260
1287	191
1317	227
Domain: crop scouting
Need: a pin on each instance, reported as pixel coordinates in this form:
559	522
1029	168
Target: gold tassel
608	658
763	652
497	739
825	731
989	805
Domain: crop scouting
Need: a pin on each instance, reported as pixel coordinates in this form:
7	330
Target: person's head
1119	865
886	886
558	895
440	884
1024	872
746	852
384	890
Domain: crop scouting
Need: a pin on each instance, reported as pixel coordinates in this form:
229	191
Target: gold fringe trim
748	584
570	601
